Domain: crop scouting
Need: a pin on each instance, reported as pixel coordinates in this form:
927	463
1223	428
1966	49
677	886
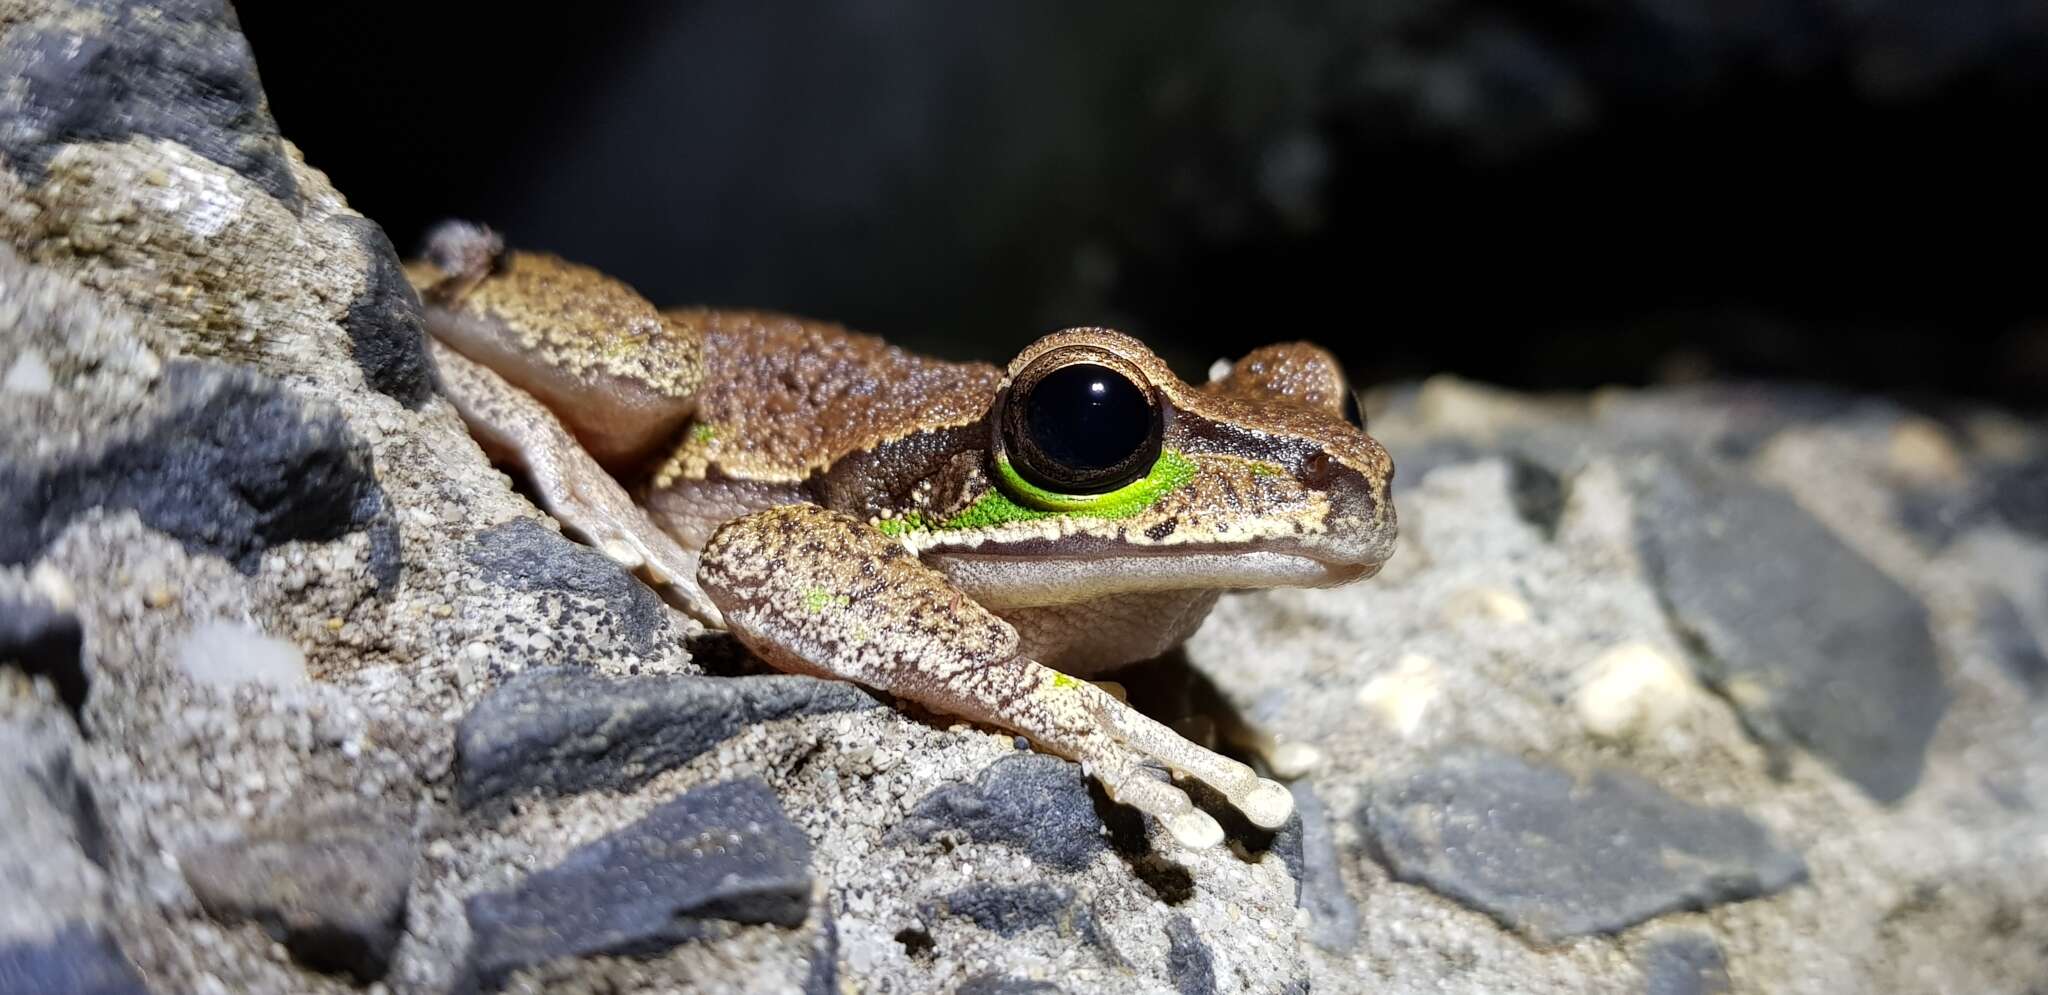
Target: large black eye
1081	428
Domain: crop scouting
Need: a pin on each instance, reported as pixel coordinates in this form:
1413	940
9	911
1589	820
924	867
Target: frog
987	542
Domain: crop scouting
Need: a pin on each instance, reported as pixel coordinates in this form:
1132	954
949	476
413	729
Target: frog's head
1103	473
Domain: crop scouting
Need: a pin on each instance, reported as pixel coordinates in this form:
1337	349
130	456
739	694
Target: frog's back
785	398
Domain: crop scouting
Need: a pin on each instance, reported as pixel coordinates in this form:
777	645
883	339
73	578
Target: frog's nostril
1315	471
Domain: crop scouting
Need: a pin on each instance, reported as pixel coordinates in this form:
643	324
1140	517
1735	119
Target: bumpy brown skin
1300	373
803	436
784	398
584	345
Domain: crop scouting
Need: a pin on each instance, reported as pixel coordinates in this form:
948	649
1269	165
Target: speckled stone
557	731
228	463
1188	961
332	889
996	984
1556	856
1683	962
1009	910
1812	642
179	71
1333	913
1031	801
725	851
525	555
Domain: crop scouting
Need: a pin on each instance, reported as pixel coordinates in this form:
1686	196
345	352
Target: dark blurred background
1581	193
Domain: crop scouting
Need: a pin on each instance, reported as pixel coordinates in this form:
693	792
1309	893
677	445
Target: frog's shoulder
785	397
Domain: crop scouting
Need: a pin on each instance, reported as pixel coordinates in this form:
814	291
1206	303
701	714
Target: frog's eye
1081	424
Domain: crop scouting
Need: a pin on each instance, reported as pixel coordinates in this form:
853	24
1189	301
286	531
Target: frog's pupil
1087	418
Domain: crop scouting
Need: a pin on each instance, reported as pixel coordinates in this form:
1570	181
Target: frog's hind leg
814	591
514	428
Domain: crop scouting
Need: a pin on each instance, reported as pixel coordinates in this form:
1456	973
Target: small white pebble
1630	690
29	375
1920	451
53	586
224	653
1290	760
1402	696
1490	604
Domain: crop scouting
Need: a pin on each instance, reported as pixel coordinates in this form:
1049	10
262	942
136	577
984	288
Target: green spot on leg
703	432
1064	682
999	507
816	599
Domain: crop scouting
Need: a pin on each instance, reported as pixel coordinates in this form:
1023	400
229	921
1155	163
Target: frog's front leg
814	591
516	429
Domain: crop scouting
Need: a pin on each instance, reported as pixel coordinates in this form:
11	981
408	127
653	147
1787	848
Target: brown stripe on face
873	481
1318	450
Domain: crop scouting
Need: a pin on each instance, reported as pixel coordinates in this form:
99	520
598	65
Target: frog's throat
1015	499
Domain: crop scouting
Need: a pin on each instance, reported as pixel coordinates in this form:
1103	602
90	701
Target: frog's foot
514	428
1113	732
814	591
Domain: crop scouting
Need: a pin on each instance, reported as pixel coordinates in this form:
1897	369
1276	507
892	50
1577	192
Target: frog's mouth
1022	578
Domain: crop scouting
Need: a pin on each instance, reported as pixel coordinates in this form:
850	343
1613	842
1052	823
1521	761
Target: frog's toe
1265	803
1130	783
1269	805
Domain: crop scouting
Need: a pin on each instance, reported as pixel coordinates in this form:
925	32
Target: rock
561	732
230	465
1401	697
1332	912
2013	642
53	841
42	635
1009	910
224	653
1486	605
1921	452
822	978
525	555
1811	642
725	851
385	323
1553	856
179	71
1935	517
1631	690
1683	962
1034	802
332	890
79	959
2015	494
1187	959
996	984
1538	493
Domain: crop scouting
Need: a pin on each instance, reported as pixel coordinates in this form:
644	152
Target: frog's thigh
590	504
814	591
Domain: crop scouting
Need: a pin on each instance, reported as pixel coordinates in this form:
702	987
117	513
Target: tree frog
971	538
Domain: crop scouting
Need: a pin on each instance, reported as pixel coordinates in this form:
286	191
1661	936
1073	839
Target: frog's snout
1363	529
